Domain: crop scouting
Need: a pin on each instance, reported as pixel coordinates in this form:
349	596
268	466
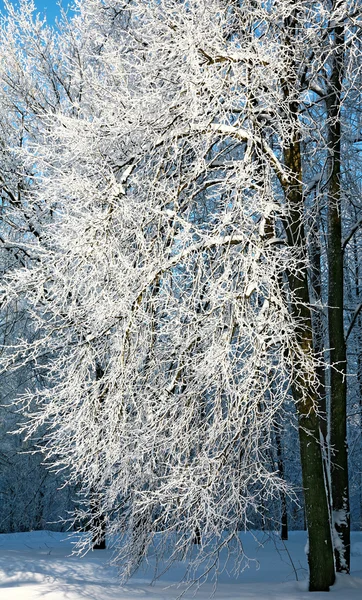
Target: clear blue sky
49	8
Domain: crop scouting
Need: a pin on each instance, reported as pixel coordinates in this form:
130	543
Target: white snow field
39	566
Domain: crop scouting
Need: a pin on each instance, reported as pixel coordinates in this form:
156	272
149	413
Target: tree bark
338	383
98	523
305	383
283	500
320	553
358	329
319	341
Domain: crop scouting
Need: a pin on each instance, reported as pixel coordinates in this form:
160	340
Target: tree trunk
338	383
319	341
283	500
358	329
320	553
305	385
319	344
98	523
197	536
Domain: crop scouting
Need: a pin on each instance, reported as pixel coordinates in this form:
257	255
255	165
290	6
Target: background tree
33	84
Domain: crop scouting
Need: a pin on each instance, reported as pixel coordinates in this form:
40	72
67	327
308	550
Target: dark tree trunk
283	500
305	388
320	554
319	344
338	383
98	524
358	326
319	341
197	536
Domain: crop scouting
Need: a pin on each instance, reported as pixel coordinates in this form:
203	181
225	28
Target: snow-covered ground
39	566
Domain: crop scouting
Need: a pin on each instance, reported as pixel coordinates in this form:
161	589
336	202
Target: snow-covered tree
32	85
172	283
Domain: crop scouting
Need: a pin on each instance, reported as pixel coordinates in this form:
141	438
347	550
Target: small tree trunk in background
98	524
98	519
197	536
283	500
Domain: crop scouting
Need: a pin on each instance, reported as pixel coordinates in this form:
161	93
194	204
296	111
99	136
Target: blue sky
49	8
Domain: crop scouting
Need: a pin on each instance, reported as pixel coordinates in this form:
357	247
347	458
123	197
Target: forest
181	276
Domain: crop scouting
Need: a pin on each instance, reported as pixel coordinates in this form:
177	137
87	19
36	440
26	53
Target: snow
39	566
339	517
